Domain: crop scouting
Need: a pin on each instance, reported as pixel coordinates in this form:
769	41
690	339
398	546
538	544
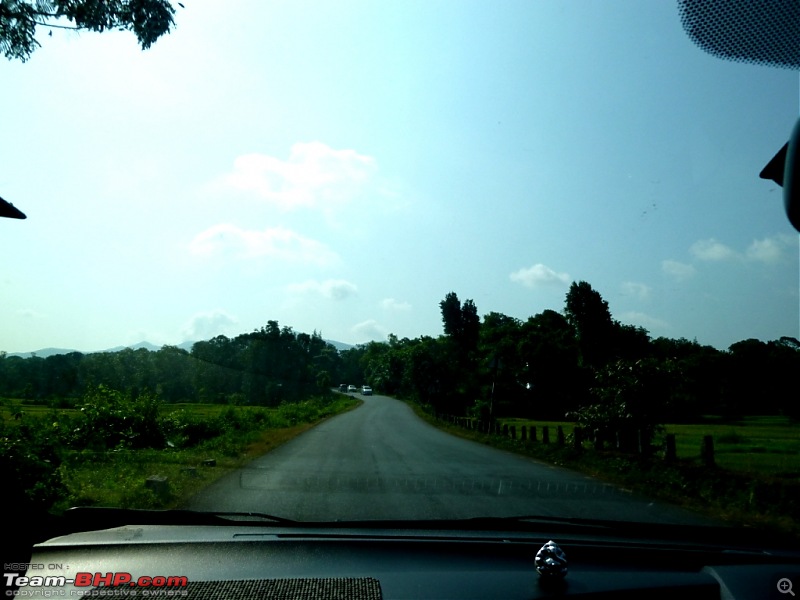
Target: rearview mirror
761	33
784	169
9	210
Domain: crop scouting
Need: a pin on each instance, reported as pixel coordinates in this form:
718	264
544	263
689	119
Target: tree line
265	367
580	364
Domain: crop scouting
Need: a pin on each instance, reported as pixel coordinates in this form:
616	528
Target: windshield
415	260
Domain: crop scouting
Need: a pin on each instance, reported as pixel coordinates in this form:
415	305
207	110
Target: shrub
111	419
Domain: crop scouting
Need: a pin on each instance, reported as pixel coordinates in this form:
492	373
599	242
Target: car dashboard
475	559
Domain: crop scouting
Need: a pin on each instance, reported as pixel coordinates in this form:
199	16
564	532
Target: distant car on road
366	390
351	389
343	387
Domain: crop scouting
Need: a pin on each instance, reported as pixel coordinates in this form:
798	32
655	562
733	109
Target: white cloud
770	249
640	290
315	175
712	250
539	275
678	270
392	304
206	325
29	313
283	244
335	289
370	330
643	320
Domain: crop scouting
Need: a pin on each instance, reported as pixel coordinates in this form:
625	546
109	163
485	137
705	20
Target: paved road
381	461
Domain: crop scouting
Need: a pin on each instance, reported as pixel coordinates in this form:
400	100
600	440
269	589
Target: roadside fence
631	441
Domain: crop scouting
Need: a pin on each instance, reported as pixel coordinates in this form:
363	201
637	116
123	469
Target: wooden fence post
523	433
513	432
533	433
707	451
670	454
560	435
545	434
645	448
577	437
505	429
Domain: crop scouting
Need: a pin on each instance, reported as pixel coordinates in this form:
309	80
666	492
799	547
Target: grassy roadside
741	498
118	477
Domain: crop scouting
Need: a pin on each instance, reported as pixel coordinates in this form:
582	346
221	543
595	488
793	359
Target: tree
631	342
761	377
147	19
461	323
549	350
431	377
470	326
588	313
451	314
631	398
462	328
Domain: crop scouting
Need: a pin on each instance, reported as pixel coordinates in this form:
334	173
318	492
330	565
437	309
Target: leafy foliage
608	375
19	19
110	419
262	368
107	450
461	323
589	315
29	460
629	397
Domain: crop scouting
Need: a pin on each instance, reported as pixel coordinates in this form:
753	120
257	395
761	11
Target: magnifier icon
785	586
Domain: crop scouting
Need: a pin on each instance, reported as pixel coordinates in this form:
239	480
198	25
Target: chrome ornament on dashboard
551	562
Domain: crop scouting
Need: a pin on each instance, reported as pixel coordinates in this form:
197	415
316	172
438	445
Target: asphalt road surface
380	461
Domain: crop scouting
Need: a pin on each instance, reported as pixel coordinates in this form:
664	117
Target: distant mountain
140	345
144	344
45	352
340	346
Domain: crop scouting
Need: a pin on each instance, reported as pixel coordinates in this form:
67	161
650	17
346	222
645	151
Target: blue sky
341	167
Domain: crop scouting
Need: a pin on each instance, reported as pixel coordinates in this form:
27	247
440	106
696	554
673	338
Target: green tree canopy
588	313
19	20
461	323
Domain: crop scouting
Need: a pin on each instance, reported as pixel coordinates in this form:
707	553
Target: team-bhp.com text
97	580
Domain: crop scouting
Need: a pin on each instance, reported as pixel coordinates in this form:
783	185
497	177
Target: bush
629	396
111	419
29	464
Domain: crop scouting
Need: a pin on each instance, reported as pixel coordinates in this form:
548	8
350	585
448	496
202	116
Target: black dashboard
480	559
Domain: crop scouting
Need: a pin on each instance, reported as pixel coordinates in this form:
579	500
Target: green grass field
11	409
764	445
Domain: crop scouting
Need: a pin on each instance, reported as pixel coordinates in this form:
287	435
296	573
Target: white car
366	390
